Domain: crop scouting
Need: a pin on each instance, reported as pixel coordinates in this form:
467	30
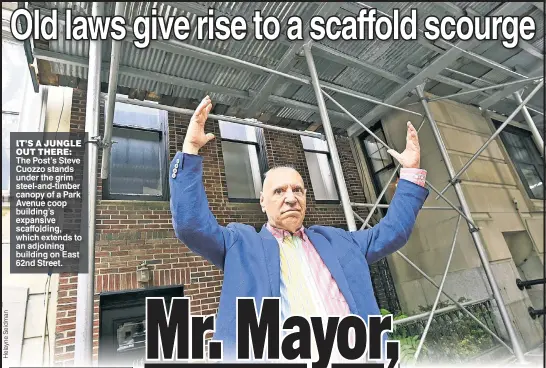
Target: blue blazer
250	260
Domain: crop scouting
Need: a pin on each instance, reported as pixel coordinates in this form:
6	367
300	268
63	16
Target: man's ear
262	201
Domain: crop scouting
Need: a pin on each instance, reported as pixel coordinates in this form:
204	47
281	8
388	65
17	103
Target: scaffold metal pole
518	352
330	138
456	176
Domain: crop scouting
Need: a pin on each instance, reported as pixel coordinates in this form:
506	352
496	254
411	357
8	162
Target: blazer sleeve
394	230
193	222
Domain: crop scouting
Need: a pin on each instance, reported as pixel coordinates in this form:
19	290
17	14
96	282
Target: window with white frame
17	90
138	160
243	150
320	168
524	154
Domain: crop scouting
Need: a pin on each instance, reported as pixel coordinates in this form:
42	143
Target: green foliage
385	312
408	343
408	348
452	337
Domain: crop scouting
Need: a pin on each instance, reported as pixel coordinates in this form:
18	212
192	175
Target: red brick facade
129	232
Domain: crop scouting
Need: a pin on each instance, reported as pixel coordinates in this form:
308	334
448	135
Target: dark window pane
383	180
519	147
131	336
515	140
533	179
371	145
380	165
525	156
242	170
377	161
136	165
322	178
376	152
384	176
387	159
379	133
521	154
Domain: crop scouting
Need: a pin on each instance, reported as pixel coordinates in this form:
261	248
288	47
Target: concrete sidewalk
534	357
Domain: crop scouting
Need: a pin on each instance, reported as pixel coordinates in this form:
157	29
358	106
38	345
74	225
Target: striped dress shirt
307	287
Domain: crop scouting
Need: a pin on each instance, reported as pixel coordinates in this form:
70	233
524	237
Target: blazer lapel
272	261
329	257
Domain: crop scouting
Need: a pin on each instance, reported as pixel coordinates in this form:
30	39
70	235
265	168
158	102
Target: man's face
284	199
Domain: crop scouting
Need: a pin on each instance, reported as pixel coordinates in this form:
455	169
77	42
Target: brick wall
129	232
66	298
287	149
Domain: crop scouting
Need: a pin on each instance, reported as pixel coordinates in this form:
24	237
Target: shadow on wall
527	263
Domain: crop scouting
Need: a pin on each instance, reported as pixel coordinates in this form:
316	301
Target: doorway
122	327
527	263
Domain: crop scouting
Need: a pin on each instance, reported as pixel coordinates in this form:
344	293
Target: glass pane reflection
131	335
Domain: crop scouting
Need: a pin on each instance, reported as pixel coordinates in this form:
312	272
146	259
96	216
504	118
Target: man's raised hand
411	157
195	136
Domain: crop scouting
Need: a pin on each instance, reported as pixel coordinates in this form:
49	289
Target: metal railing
452	337
534	313
528	283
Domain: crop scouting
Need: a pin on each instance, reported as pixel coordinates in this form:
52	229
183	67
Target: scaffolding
415	86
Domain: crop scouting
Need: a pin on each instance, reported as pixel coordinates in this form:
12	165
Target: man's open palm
411	157
195	136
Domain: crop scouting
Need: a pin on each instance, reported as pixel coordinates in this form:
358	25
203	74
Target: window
381	166
17	91
320	169
243	149
380	163
526	158
138	161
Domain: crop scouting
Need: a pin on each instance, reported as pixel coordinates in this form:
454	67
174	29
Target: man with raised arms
316	270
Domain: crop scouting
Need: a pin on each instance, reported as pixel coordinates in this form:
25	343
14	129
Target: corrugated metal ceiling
391	56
